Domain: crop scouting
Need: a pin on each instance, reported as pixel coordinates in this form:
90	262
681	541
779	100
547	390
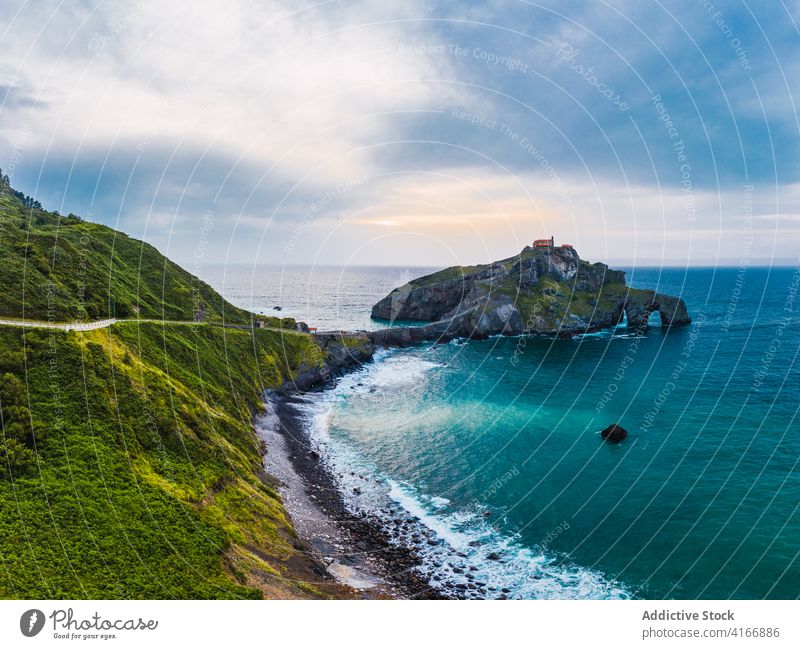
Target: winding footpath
65	326
103	324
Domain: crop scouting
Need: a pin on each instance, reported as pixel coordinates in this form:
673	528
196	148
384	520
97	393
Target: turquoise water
494	446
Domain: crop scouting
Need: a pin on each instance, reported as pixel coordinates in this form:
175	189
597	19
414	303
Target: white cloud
293	102
264	81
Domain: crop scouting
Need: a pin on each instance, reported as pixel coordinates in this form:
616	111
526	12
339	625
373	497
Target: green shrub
15	457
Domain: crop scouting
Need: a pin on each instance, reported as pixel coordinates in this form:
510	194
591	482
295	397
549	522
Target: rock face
614	433
672	309
540	291
339	352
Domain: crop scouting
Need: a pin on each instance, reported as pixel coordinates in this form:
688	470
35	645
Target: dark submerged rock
614	433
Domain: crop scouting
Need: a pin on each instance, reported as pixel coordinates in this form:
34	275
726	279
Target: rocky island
545	289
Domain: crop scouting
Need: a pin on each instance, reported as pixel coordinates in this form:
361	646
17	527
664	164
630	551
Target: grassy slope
66	269
129	467
144	482
459	272
444	275
555	302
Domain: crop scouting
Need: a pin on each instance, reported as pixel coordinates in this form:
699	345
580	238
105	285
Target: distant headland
545	289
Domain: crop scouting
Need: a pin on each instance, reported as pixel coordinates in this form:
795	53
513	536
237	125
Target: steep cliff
540	291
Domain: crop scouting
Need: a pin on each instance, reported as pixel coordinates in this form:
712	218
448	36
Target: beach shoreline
354	550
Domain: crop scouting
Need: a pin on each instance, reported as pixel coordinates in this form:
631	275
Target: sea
493	446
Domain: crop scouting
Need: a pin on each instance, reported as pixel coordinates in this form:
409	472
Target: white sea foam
393	371
464	552
467	540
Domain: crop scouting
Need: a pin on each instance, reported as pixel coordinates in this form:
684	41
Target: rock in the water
539	291
614	433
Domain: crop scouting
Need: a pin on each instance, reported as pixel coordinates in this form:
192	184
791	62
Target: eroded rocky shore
355	550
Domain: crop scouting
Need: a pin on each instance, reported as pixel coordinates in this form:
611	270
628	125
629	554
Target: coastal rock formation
344	349
339	351
671	309
614	433
540	291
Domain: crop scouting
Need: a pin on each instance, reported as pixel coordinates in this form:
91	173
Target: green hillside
65	268
129	466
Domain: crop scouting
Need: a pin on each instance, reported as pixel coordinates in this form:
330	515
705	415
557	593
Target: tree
27	201
16	417
15	457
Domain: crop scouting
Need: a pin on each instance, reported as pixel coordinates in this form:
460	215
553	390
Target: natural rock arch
671	309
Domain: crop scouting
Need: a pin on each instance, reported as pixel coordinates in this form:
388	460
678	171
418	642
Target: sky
417	133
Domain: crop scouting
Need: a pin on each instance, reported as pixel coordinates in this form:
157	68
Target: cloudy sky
427	133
